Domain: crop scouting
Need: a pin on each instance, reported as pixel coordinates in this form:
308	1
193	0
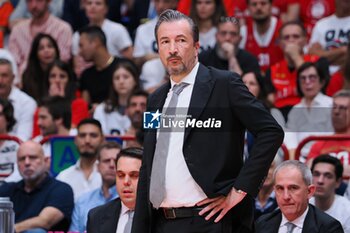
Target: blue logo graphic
151	120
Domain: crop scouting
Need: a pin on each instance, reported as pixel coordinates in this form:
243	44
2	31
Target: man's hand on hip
221	204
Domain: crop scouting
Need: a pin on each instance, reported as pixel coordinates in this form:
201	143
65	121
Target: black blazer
104	218
215	157
316	221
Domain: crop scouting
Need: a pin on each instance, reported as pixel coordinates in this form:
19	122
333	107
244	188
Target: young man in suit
294	188
200	171
116	216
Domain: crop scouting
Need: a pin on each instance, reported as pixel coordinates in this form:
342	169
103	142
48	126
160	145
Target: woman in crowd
43	52
61	81
254	82
206	14
111	113
312	116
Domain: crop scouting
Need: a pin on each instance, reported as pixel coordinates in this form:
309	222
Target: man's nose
286	194
27	161
320	179
127	180
173	47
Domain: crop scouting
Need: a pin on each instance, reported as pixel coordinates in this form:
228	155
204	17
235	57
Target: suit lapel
157	102
109	220
200	95
310	221
275	221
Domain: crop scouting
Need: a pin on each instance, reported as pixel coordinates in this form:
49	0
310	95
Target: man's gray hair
342	93
303	169
172	16
4	61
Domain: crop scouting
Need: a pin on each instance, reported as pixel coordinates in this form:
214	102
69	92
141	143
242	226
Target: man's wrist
239	191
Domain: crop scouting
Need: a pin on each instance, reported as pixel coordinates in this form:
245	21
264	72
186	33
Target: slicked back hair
173	16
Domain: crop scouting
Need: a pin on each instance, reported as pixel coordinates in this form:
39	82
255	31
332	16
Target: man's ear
339	182
311	190
59	121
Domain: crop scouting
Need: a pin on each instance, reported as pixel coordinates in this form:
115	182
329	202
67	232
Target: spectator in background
6	9
118	41
95	81
117	215
341	78
145	46
206	14
281	78
327	172
74	12
255	84
266	202
286	10
21	11
311	11
43	52
226	54
293	187
23	104
84	176
61	81
41	203
4	53
153	75
111	113
23	33
54	118
8	149
341	125
330	36
312	116
261	33
137	103
106	158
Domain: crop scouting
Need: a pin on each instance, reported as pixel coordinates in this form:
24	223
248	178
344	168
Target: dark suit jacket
316	221
104	218
214	157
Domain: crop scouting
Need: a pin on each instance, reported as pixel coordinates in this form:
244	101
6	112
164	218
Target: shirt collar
78	165
316	101
112	193
299	222
190	78
124	210
20	184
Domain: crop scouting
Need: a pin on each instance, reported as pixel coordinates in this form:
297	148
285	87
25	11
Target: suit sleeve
268	136
91	222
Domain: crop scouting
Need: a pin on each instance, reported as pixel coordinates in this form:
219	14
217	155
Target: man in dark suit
204	170
116	216
293	188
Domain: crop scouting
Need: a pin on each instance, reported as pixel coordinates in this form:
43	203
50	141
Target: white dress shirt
180	187
123	219
298	222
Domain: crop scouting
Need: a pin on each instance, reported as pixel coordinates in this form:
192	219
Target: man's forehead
341	100
324	167
138	99
86	128
177	27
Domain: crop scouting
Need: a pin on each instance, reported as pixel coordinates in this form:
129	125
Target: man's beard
88	154
220	53
136	120
261	20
